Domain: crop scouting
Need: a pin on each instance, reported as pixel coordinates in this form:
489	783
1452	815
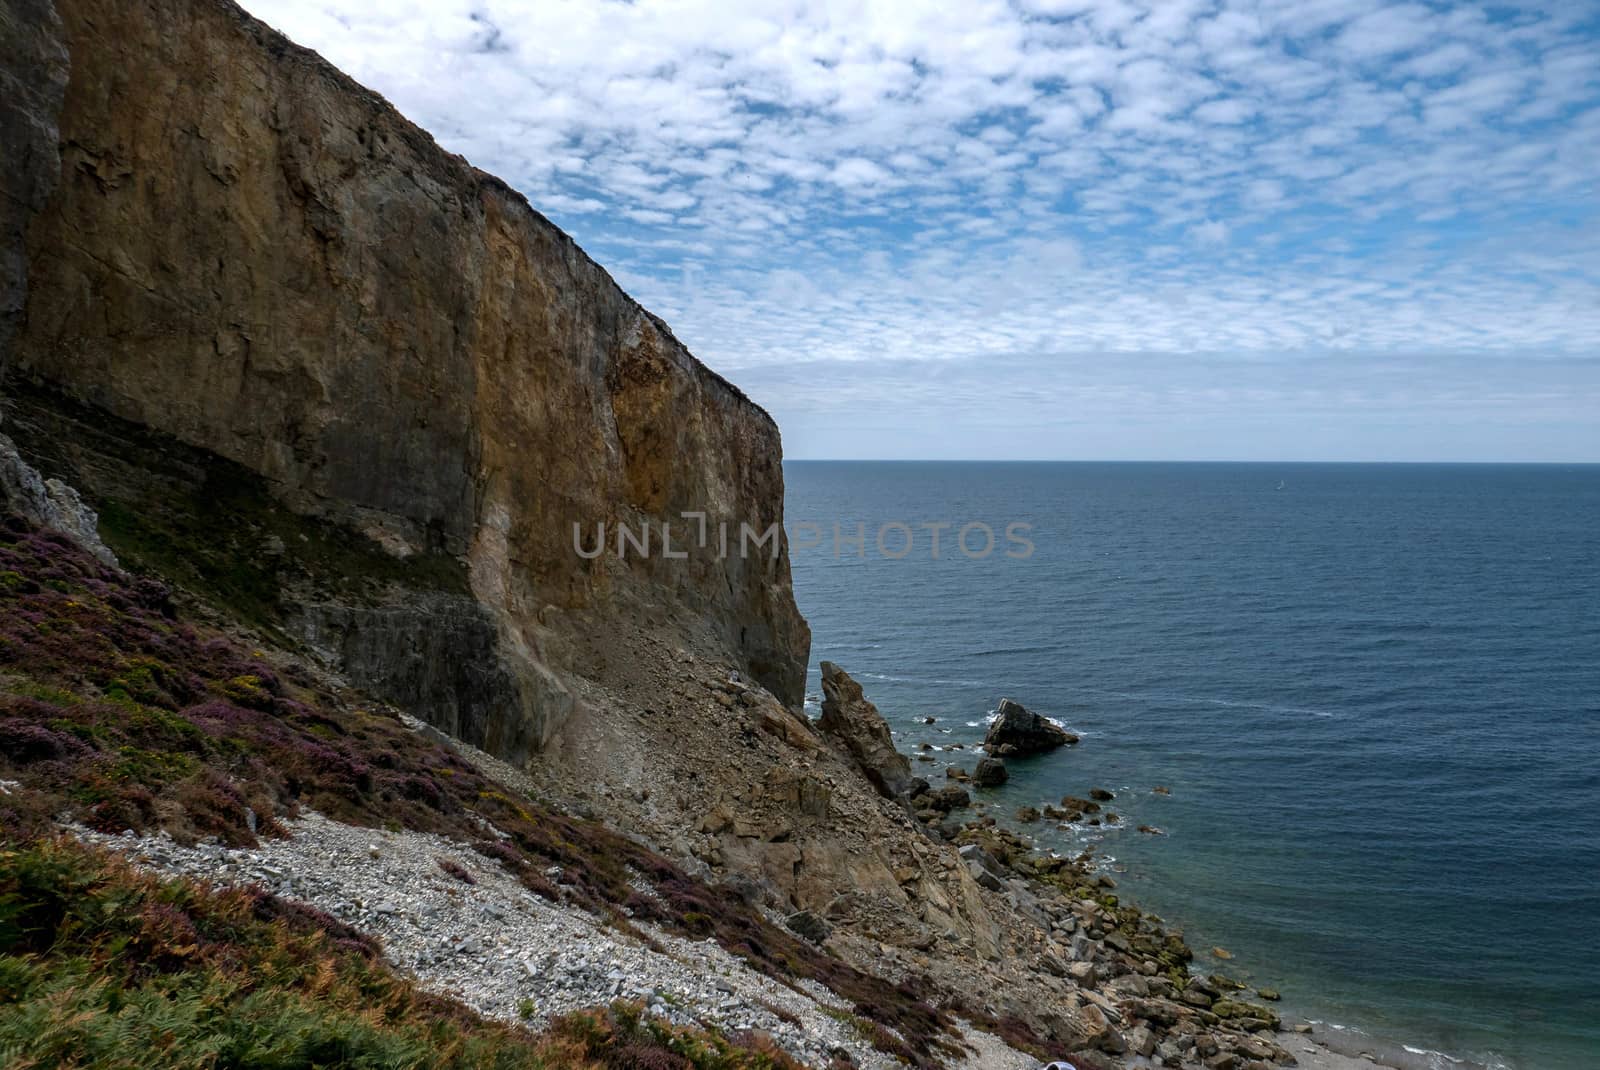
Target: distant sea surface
1374	691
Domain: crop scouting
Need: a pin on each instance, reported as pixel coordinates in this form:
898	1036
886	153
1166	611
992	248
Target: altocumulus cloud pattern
1060	227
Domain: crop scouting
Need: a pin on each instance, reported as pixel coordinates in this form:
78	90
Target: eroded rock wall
250	256
33	77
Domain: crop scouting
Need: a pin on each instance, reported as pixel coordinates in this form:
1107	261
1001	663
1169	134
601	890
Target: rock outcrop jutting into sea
1017	732
852	721
256	283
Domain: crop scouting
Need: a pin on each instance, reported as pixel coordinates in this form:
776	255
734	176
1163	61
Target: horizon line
1187	460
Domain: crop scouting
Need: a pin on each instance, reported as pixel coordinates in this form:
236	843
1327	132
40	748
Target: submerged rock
990	773
859	729
1018	732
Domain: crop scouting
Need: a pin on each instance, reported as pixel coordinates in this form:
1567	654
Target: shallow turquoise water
1374	693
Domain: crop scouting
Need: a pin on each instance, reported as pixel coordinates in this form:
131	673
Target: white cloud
990	180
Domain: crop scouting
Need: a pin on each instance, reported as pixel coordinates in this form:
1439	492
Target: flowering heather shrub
117	712
101	967
457	870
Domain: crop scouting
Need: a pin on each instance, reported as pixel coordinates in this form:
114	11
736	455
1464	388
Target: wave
1206	700
890	679
1350	1041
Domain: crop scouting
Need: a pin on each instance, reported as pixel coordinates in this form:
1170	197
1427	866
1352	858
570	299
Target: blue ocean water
1374	691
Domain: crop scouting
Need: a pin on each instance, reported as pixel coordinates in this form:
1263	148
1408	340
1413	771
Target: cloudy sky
1307	229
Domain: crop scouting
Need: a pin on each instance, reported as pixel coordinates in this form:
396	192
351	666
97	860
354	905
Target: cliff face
33	75
256	285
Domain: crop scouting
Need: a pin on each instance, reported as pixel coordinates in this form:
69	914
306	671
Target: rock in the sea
859	729
990	773
1018	732
1101	795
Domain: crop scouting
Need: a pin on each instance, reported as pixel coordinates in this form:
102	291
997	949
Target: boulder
776	719
984	878
808	926
990	773
855	724
947	799
1098	1031
972	852
1239	1009
1019	732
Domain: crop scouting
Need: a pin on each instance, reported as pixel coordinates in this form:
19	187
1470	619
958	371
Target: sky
1061	229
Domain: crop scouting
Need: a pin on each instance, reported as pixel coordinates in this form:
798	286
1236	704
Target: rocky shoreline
998	852
467	929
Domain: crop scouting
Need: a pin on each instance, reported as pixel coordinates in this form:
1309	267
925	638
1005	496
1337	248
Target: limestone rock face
1018	731
48	502
857	726
254	266
33	77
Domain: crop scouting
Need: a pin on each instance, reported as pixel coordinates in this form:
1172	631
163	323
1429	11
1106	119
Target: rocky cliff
358	391
33	76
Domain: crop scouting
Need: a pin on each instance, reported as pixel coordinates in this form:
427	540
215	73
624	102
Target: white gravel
511	955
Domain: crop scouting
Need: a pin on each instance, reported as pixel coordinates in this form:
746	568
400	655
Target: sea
1372	690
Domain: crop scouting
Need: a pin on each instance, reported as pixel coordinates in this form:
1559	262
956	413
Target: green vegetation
103	968
118	713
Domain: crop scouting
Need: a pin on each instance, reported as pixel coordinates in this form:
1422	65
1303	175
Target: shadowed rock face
853	722
33	77
254	266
